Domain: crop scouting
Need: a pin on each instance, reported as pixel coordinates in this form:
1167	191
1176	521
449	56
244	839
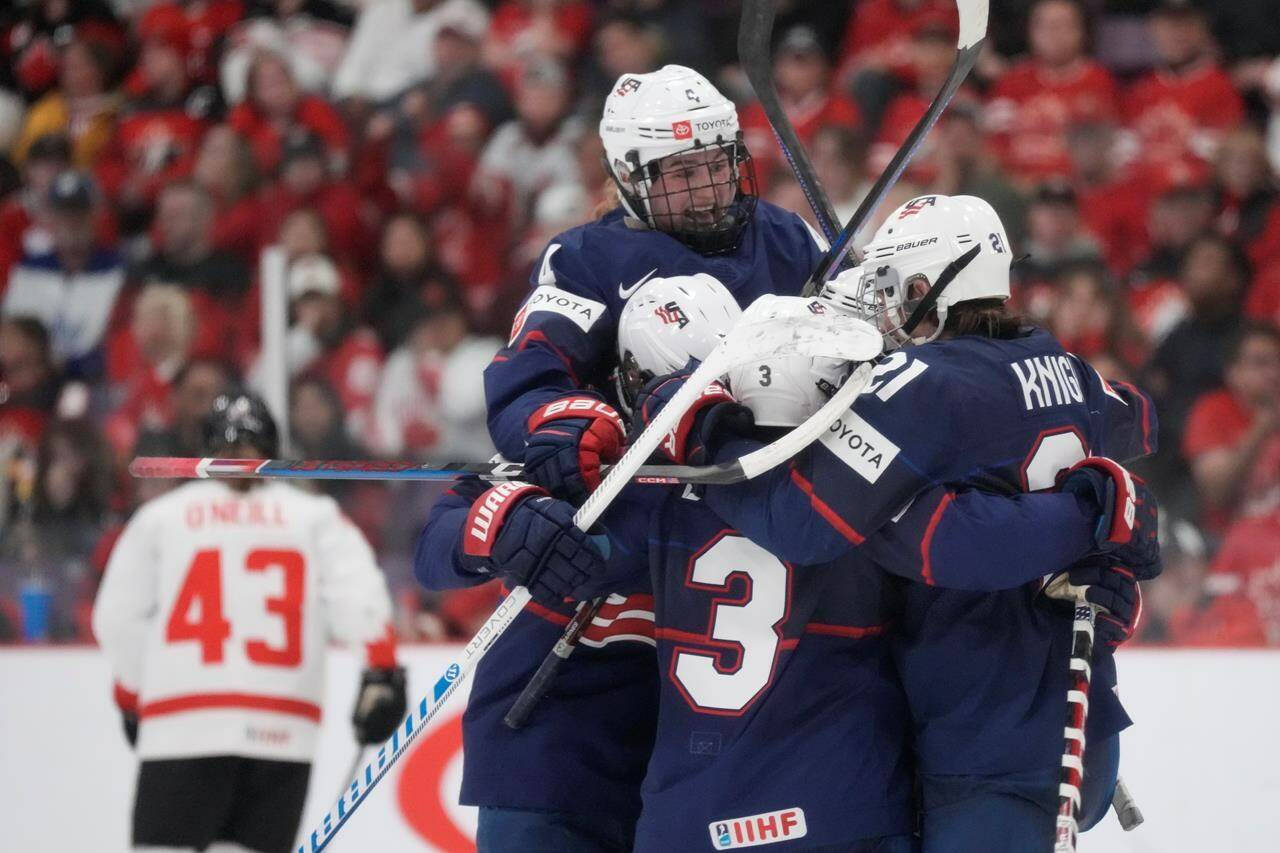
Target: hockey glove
127	702
1110	586
714	416
380	704
515	529
1128	528
569	439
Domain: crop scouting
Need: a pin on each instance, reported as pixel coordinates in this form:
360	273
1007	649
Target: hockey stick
1071	779
755	31
759	331
973	33
1127	811
173	467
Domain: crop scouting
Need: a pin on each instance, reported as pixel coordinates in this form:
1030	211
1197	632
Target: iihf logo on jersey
672	313
916	205
758	829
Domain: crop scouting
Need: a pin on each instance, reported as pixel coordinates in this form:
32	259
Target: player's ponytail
985	318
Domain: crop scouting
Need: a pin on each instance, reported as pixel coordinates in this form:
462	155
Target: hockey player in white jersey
215	611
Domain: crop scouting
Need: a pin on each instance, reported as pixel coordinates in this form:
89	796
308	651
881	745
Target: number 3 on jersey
201	592
751	625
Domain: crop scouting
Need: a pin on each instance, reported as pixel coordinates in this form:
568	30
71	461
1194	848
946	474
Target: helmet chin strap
948	275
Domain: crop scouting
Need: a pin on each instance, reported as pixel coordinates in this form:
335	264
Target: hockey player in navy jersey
571	779
781	719
987	401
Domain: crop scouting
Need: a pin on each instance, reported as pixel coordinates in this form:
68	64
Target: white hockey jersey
216	609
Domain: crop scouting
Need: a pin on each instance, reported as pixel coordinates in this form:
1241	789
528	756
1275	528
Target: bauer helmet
240	418
916	245
667	322
674	149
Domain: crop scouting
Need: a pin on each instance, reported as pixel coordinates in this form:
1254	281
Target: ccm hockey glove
714	414
569	439
515	529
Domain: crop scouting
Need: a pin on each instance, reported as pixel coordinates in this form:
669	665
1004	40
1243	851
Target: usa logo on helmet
916	205
672	313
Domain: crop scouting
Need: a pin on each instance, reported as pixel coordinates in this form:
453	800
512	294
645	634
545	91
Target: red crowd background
412	157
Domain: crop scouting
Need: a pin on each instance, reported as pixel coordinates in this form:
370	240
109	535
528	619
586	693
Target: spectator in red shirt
192	391
306	182
875	56
933	51
1232	440
1034	103
29	380
205	22
525	32
224	168
1113	200
802	75
158	130
1181	108
275	107
1248	212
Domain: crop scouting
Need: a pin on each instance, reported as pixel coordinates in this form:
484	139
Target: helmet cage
718	237
628	378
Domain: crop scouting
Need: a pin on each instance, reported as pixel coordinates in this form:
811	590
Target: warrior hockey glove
714	416
380	704
1128	519
515	529
569	439
1110	586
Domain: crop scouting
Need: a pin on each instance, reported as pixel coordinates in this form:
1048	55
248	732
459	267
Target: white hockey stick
778	325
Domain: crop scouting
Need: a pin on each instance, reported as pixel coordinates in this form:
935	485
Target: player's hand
1128	516
569	439
127	702
380	704
714	414
1109	585
515	529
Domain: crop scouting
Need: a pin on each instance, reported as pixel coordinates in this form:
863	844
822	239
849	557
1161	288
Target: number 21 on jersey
198	616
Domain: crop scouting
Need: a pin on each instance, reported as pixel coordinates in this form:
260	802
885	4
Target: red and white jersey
215	611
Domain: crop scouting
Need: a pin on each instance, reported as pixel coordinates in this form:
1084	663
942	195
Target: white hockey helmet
667	322
784	390
674	111
917	243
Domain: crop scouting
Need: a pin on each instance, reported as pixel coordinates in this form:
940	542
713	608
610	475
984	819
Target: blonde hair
171	303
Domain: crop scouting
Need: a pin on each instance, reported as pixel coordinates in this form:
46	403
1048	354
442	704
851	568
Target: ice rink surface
1203	761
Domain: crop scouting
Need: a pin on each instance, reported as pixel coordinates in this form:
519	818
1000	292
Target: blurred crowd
411	158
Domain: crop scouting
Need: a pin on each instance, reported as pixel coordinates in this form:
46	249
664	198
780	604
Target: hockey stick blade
755	32
973	32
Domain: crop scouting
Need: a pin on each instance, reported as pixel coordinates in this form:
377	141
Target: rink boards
1202	761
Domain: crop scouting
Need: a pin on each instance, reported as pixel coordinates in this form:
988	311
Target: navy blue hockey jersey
985	673
564	337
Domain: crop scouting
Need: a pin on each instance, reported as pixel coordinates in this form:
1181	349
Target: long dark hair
985	318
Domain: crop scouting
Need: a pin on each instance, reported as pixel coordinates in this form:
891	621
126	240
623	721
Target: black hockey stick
973	33
754	36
